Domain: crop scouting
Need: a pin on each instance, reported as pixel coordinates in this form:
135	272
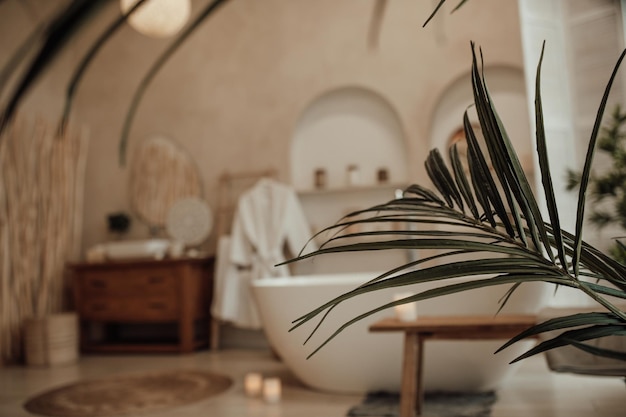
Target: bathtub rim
345	279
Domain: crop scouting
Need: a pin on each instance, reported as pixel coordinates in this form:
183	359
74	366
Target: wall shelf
350	189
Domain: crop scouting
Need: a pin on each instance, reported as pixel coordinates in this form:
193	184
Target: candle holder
253	384
354	177
272	390
407	311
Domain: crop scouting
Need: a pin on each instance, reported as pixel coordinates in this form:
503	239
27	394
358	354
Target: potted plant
491	213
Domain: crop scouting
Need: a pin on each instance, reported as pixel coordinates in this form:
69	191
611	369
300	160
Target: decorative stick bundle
41	182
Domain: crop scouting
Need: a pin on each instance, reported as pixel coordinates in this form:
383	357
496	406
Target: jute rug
436	404
128	394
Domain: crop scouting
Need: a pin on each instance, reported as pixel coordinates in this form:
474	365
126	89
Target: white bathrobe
268	218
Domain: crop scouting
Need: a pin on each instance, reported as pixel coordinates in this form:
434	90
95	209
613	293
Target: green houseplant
491	214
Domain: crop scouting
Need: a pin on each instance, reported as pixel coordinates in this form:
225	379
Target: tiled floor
532	392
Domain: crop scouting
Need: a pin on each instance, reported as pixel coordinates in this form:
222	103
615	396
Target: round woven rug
128	394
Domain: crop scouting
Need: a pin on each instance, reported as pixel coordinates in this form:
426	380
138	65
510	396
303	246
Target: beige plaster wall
232	95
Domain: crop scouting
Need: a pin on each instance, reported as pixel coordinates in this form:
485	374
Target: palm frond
598	351
565	322
461	180
441	2
575	337
376	22
19	55
584	181
546	179
498	220
88	58
432	15
66	23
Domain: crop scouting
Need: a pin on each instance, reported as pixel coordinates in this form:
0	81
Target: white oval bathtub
358	361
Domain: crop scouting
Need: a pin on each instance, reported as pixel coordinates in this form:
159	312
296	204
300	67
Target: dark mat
436	404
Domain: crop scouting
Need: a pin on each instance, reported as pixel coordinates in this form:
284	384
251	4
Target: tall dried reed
41	195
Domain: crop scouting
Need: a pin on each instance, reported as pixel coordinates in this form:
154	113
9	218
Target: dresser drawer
139	281
129	309
102	309
153	308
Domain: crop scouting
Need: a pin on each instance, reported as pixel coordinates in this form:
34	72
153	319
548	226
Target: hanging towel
232	298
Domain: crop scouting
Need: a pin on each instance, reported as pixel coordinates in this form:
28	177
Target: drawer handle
155	279
157	306
98	283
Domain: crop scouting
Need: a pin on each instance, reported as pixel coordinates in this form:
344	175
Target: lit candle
271	390
253	384
407	311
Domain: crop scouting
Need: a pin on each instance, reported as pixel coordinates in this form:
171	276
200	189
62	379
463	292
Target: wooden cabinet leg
84	329
215	333
186	319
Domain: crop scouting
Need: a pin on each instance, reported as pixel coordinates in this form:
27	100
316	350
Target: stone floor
532	392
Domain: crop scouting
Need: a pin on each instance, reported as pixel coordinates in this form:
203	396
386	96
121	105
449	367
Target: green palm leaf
546	179
65	24
19	55
496	219
441	2
461	180
574	337
88	58
597	351
584	181
560	323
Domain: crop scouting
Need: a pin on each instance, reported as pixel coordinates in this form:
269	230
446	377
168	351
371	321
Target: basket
51	340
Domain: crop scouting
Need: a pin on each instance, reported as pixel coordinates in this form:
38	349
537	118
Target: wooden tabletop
459	326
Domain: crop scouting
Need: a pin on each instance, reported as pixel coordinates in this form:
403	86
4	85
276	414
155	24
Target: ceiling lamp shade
158	18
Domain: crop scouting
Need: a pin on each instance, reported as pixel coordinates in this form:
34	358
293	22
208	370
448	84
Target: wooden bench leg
411	395
419	392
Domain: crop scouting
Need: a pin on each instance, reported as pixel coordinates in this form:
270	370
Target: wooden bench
442	328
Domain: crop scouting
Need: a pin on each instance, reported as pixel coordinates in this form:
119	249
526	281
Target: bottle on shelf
354	177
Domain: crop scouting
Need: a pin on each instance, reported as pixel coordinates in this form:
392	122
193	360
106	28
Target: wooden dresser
175	291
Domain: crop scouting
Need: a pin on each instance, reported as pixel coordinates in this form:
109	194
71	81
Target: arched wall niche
350	125
507	89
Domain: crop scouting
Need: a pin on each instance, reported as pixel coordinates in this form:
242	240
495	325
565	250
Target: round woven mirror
161	173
